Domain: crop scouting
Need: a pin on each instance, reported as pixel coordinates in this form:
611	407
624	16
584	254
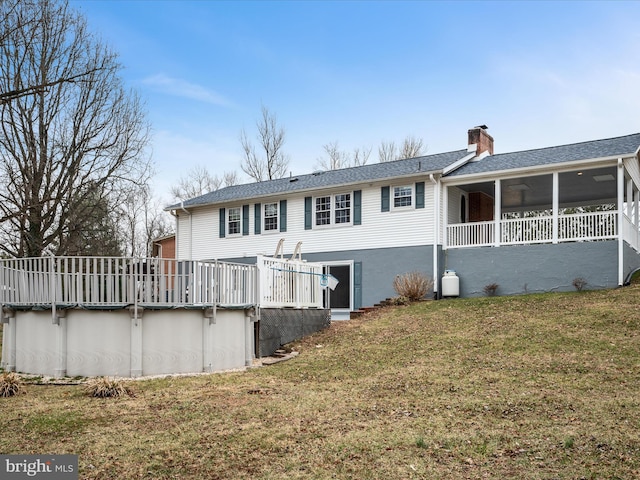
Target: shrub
103	387
579	283
491	289
10	384
413	285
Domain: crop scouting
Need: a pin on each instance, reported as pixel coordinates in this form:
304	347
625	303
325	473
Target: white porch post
497	212
636	217
629	198
556	206
620	222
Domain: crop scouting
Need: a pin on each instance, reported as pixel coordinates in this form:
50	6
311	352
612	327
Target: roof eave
535	168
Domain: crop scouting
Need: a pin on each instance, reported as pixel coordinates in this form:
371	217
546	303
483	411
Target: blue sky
360	72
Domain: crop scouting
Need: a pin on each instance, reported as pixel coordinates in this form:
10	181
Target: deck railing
101	282
571	227
112	281
289	283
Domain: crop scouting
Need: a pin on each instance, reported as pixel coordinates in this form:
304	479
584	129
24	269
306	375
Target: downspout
190	231
436	235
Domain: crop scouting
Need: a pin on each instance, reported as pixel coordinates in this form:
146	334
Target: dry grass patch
105	387
10	384
536	387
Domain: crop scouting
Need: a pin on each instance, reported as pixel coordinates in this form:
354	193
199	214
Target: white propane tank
450	284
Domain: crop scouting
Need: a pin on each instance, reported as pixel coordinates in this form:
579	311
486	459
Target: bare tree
230	178
387	152
69	131
94	230
271	162
337	158
411	147
360	156
199	181
141	219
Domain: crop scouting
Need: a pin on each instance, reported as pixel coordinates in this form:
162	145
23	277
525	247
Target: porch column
629	198
556	206
497	212
620	222
636	217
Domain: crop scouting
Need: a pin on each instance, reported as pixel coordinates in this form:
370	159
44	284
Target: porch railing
571	227
466	234
631	232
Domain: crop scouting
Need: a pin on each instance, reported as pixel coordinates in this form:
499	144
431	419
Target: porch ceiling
578	187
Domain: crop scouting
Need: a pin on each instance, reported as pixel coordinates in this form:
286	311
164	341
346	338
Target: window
323	210
343	208
402	196
234	220
334	209
270	217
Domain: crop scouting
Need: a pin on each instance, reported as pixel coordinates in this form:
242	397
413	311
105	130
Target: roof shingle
375	171
610	147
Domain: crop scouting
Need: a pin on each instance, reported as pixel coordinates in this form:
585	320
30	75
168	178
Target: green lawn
536	387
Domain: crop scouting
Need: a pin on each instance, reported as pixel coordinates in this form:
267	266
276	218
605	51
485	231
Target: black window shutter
420	195
283	215
257	224
307	213
384	193
245	220
223	222
357	207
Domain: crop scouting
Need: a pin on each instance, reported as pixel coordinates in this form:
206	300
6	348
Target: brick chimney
479	137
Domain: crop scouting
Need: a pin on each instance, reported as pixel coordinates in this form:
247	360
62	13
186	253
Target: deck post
61	361
250	316
136	340
9	340
208	319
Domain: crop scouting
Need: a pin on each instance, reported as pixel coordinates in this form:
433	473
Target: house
529	221
164	247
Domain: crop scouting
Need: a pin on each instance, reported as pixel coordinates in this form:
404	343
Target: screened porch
566	206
